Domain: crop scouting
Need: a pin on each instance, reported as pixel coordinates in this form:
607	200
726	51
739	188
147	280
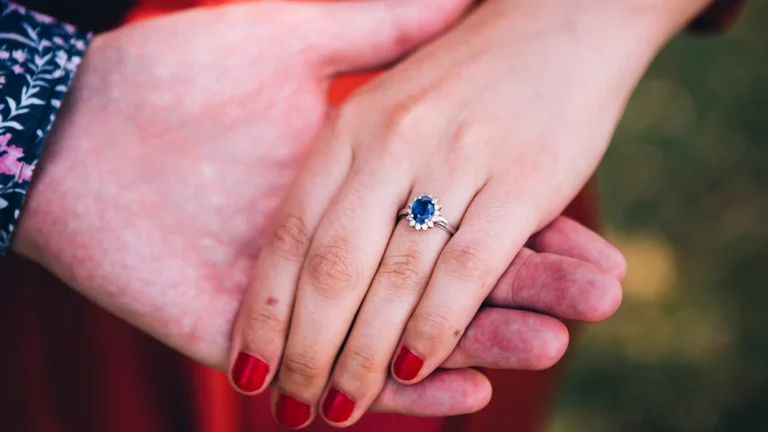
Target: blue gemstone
423	209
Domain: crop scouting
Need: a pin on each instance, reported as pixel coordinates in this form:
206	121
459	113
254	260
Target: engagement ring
424	213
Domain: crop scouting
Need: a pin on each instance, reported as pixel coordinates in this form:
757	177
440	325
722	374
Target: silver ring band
438	222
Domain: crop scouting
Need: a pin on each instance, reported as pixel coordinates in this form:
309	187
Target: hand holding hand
165	167
501	121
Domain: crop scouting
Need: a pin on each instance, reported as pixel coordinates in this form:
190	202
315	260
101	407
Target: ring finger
493	231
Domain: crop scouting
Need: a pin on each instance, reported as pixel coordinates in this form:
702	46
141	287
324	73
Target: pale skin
504	118
176	145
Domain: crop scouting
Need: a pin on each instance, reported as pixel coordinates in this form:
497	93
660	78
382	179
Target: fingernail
337	407
249	372
292	413
407	364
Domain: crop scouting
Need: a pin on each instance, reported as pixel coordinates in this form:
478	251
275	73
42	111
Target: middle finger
342	259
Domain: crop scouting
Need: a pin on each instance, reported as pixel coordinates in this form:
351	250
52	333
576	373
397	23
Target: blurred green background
685	197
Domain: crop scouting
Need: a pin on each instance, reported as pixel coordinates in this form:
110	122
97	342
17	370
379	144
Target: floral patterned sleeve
38	57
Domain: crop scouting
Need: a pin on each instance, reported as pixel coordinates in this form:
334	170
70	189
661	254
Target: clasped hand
345	294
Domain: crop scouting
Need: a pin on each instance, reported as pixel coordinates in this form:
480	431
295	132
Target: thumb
353	35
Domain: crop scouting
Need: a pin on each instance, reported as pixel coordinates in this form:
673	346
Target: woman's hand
504	119
567	271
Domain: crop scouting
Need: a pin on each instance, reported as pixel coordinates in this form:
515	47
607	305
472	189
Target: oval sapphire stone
423	209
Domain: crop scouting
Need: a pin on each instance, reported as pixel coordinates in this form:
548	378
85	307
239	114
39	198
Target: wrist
649	23
616	40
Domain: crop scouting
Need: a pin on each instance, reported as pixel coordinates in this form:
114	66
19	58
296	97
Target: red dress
70	366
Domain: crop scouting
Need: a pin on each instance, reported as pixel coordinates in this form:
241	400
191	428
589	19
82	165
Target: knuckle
464	262
405	116
301	370
400	124
400	274
524	272
333	270
260	327
360	364
465	138
291	238
260	321
432	326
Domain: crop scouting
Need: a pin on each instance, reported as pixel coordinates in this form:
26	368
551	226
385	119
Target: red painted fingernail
337	407
407	364
249	372
291	412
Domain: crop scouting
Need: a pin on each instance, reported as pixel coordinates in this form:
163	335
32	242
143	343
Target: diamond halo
424	212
